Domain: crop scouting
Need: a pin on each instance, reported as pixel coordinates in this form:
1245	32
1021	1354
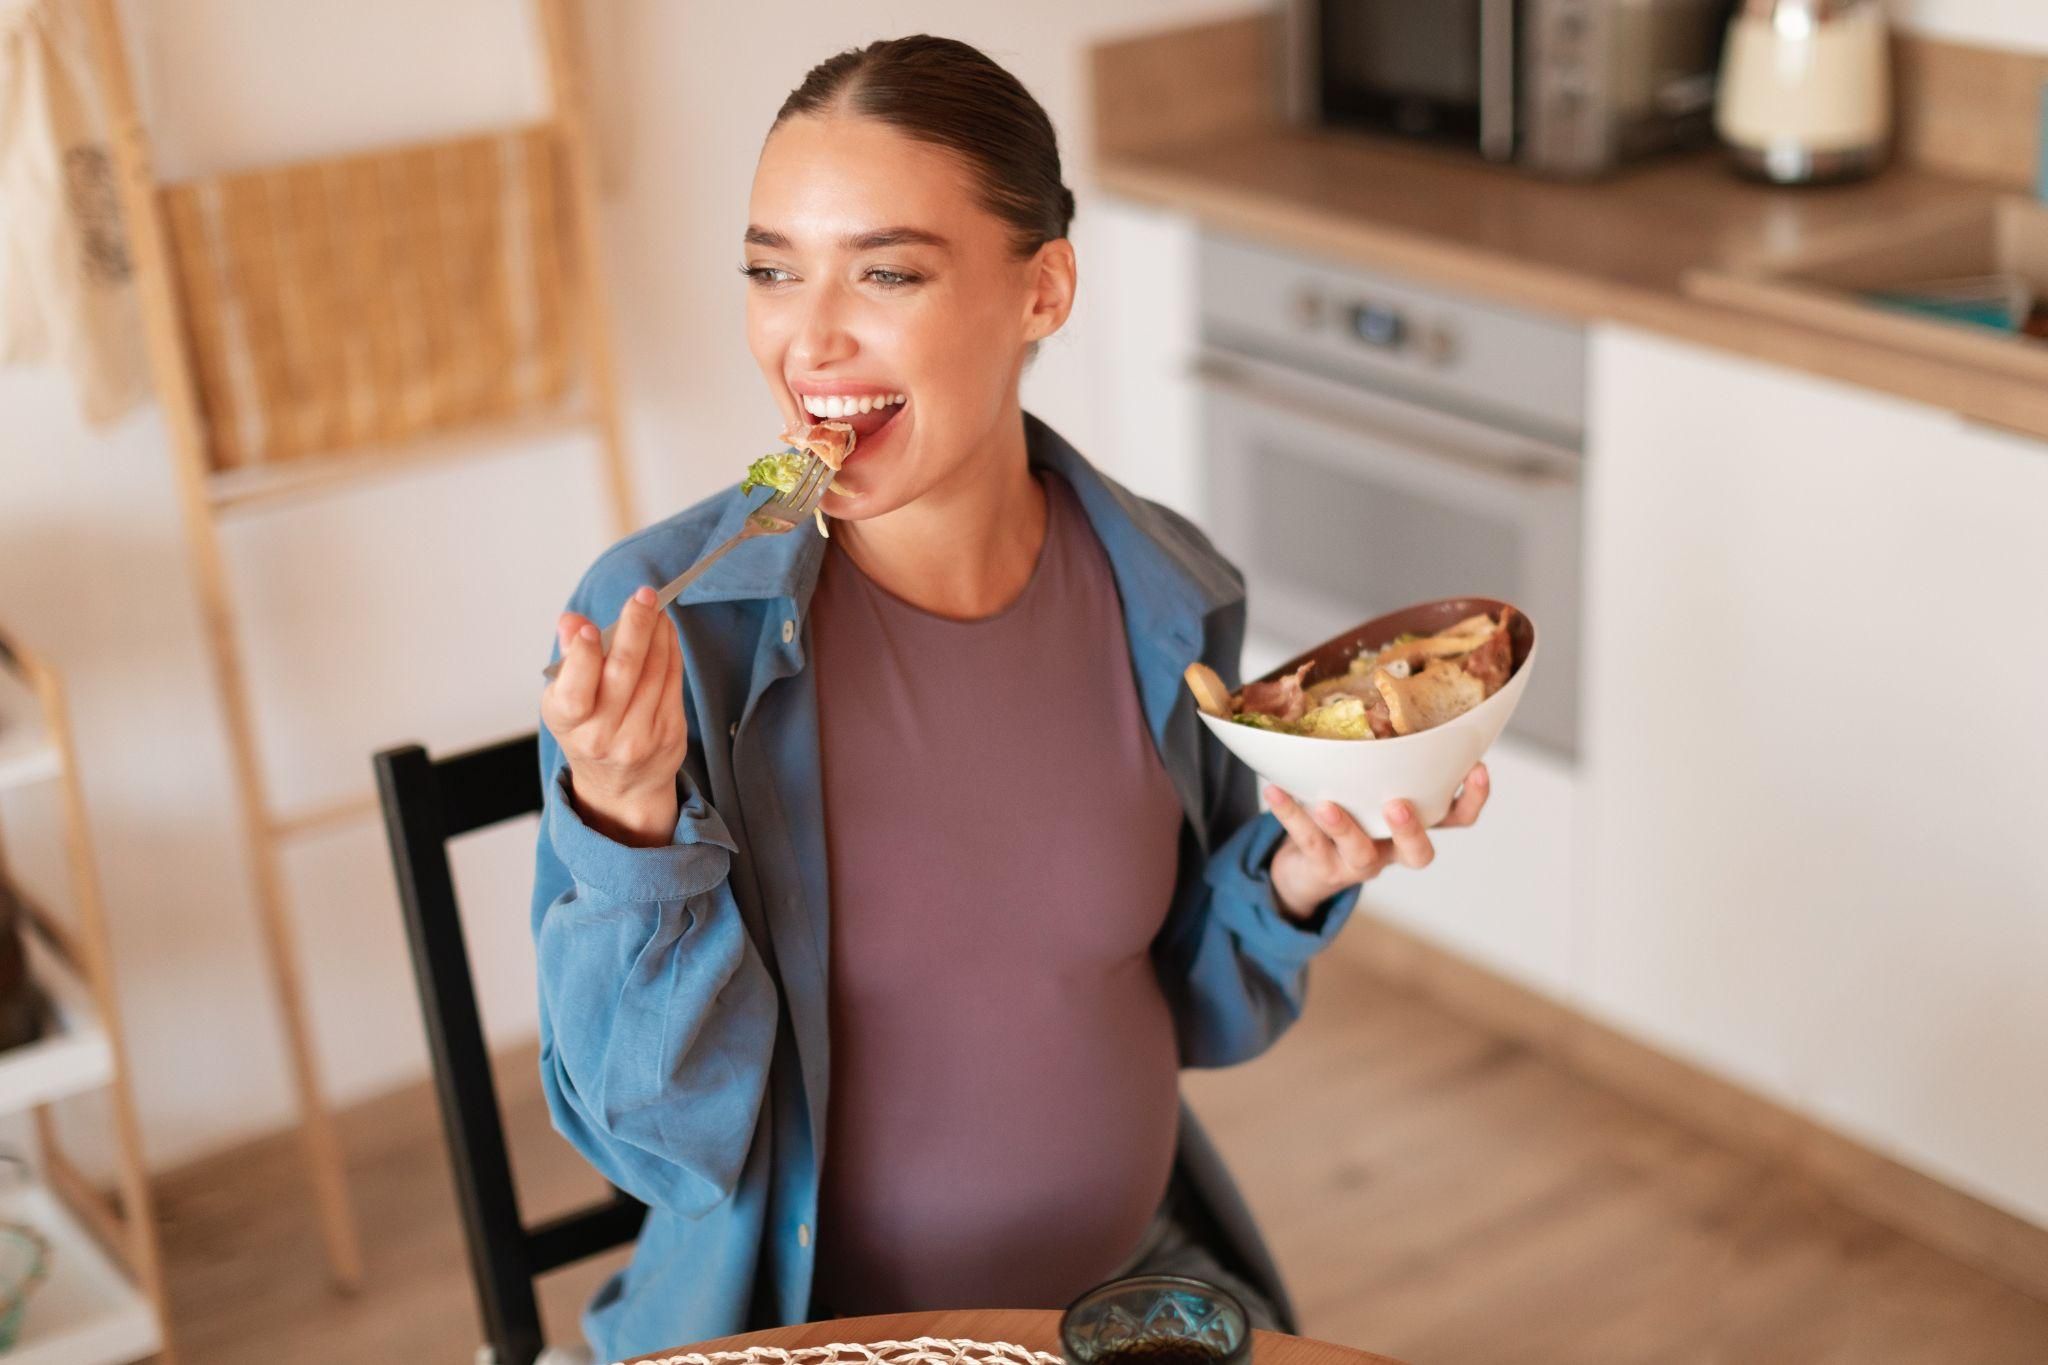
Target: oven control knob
1376	324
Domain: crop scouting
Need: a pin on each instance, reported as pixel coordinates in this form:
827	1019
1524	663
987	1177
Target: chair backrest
428	801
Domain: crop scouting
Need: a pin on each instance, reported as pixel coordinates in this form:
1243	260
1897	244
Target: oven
1368	443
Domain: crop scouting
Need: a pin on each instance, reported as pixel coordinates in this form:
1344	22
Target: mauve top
1001	839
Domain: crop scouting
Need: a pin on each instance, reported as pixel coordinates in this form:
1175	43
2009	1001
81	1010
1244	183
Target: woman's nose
821	335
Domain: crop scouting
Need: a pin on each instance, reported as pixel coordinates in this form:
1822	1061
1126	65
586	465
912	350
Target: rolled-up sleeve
697	857
1240	882
657	1012
1233	963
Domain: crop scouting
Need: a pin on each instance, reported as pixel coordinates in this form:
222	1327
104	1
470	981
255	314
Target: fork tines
808	487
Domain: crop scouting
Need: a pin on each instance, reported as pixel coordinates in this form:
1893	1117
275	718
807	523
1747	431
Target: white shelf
27	754
87	1312
72	1056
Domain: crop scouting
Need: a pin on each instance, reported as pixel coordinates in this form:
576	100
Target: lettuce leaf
779	472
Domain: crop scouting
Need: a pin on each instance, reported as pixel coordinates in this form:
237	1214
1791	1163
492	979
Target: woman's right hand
618	718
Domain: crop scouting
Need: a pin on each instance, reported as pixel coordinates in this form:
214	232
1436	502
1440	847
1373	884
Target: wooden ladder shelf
314	325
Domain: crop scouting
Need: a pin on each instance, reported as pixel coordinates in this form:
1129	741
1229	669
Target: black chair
427	802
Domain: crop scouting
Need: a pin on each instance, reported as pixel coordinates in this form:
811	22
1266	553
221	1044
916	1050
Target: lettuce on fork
831	442
779	472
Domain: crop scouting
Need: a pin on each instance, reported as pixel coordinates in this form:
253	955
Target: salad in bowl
1401	706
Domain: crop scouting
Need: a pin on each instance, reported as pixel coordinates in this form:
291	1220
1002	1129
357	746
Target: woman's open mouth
870	415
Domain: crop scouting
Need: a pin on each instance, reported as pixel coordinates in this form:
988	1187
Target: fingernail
1274	796
589	632
1326	815
644	595
1398	813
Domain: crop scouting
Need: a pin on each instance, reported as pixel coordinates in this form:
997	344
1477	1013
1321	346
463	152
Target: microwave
1560	87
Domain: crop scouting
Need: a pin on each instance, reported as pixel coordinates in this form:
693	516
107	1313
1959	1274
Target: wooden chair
426	802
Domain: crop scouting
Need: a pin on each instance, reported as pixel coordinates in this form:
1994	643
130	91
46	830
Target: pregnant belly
1002	1150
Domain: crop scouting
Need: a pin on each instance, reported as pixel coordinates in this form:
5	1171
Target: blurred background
1705	331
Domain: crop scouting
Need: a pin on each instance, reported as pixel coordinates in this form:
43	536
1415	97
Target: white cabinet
1501	894
1816	711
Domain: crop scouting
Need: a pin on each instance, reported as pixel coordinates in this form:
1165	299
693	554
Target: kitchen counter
1617	250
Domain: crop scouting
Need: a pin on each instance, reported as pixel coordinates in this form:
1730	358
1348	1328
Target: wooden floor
1433	1192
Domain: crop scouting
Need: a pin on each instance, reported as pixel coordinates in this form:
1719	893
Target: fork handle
669	593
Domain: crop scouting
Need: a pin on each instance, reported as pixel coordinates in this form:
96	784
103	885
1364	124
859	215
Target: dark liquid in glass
1160	1351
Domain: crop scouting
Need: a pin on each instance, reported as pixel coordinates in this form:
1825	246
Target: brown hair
953	95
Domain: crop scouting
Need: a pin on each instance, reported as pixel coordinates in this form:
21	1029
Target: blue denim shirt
683	1027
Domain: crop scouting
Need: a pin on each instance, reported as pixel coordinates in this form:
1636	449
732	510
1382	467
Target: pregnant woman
886	882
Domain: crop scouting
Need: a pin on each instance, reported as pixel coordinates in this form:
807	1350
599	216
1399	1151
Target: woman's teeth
837	406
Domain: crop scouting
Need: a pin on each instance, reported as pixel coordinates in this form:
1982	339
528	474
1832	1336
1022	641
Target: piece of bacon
831	442
1282	698
1492	661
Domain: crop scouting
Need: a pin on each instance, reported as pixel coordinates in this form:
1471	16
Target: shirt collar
1167	575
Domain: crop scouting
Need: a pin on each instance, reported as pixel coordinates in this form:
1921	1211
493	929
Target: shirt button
788	631
803	1234
732	731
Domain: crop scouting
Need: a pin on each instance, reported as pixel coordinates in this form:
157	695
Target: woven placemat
922	1351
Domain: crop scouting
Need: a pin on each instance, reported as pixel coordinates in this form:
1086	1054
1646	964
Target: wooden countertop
1616	251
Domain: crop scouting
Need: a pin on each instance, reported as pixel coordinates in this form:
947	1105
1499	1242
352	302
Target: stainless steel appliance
1368	443
1563	87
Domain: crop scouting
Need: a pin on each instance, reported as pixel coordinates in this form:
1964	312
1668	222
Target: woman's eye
764	274
892	279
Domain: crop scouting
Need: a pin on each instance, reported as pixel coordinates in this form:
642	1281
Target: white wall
417	608
2020	24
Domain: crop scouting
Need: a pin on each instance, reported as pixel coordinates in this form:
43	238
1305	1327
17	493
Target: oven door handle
1530	465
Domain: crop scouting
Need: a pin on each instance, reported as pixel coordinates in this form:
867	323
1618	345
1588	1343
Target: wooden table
1034	1328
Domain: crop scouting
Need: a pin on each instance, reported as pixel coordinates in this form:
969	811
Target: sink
1824	284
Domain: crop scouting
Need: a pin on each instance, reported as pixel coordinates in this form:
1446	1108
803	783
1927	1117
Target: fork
783	512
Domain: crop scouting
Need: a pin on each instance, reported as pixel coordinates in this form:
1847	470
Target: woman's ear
1052	289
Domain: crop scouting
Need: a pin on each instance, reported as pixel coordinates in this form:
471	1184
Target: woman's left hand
1326	850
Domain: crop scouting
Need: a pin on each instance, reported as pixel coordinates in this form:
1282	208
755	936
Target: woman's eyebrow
893	236
859	241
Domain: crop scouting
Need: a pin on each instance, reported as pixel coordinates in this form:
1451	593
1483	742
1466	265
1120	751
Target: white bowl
1360	775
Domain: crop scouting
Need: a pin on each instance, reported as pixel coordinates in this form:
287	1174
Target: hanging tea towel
67	291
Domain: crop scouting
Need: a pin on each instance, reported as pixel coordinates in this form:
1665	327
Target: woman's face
875	275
